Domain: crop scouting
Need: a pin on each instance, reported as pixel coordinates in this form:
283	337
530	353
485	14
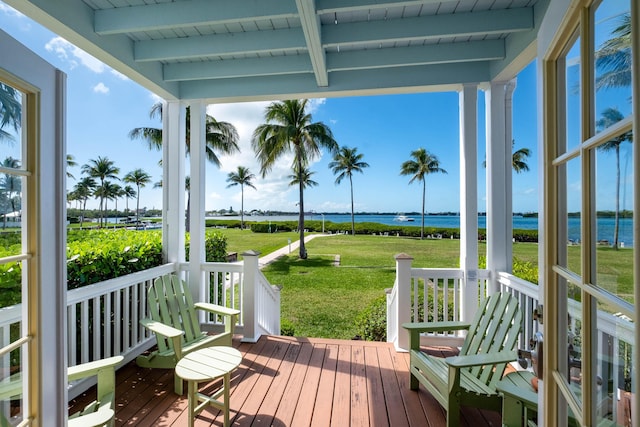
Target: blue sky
103	106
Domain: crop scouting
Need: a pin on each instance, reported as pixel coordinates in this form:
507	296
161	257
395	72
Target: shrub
371	322
287	328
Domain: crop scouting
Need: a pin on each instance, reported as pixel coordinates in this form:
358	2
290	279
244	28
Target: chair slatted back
171	303
495	328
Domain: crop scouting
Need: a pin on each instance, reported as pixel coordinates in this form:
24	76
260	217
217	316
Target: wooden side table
519	399
208	364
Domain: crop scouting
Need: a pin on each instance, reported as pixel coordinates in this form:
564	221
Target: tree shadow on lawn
284	264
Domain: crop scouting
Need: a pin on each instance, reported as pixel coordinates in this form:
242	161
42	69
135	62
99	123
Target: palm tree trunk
241	207
353	227
424	196
187	225
617	217
84	206
303	250
138	206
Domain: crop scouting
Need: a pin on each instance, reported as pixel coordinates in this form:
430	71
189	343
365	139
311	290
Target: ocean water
605	226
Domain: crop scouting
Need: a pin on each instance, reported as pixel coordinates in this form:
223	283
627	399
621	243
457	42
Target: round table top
208	363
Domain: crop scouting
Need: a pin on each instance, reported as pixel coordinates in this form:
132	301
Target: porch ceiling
234	50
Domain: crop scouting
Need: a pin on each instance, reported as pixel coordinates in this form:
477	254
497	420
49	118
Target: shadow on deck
286	381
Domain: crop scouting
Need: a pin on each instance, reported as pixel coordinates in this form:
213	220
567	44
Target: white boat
403	218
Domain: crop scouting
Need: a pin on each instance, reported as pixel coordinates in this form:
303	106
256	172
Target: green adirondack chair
99	413
175	324
470	378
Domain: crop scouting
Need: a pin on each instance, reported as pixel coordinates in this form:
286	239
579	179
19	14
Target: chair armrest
161	328
416	328
92	368
217	309
435	326
98	418
482	359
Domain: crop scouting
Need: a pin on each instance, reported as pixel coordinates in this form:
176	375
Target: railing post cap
403	256
251	252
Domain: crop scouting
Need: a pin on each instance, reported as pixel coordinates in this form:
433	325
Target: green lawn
243	240
321	300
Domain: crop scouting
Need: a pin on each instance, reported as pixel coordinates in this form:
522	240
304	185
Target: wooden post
403	306
248	309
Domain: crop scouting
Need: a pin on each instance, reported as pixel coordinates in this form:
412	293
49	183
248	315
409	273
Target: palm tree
611	116
84	189
303	178
70	163
128	193
613	58
140	178
10	110
288	128
11	185
241	177
344	163
423	164
101	168
518	159
220	137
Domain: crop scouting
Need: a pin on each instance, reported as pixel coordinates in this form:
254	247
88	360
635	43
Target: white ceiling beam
354	60
331	6
429	27
416	55
290	39
311	27
343	83
172	15
268	66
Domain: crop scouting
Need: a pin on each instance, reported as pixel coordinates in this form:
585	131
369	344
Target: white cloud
273	191
74	55
100	88
214	196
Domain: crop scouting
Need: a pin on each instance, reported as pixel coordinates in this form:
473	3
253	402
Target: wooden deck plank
322	410
340	411
377	407
293	391
359	394
275	394
391	389
286	381
307	399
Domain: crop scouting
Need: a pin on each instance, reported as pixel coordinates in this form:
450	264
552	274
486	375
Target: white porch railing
432	294
103	319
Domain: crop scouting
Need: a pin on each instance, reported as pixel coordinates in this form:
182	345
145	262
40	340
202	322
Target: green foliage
228	223
371	322
525	270
97	255
287	328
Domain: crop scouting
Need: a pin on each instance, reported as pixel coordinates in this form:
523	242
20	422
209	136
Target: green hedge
97	255
316	226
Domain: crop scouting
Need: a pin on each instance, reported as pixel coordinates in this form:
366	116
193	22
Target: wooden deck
285	381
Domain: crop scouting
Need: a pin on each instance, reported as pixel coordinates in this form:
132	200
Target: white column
499	217
403	313
173	191
468	98
249	309
196	224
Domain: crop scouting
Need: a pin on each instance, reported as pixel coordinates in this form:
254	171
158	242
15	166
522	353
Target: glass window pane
574	341
612	42
10	124
573	220
614	366
11	283
11	379
573	96
614	225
